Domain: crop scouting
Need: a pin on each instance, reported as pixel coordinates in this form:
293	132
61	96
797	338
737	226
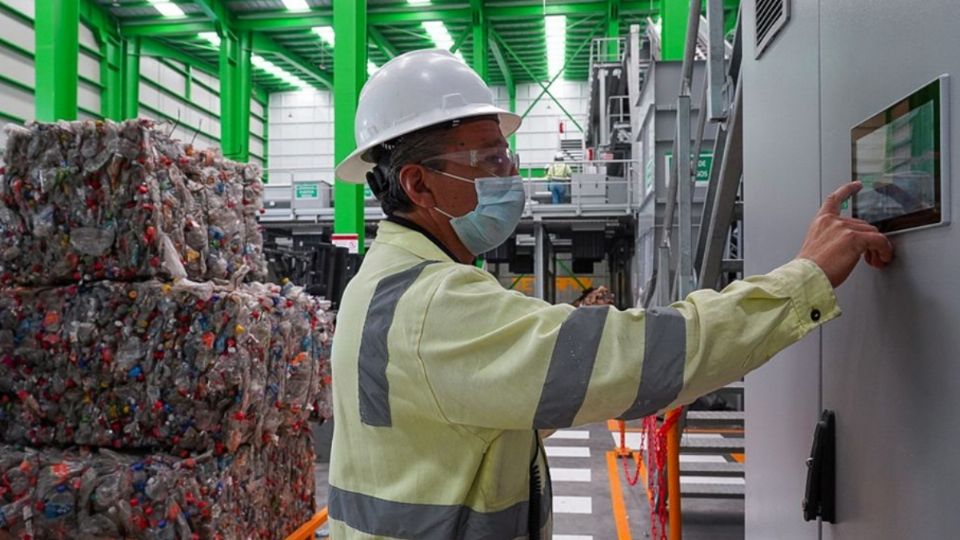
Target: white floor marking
572	537
569	475
633	440
712	480
567	451
697	458
572	505
570	434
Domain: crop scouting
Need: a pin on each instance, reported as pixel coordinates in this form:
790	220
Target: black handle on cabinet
820	497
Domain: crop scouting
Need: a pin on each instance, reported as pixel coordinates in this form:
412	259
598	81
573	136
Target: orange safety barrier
308	529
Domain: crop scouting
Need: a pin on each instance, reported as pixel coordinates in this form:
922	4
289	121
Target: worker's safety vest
441	378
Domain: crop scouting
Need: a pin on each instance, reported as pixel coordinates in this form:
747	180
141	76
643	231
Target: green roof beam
167	29
461	40
382	43
286	20
266	44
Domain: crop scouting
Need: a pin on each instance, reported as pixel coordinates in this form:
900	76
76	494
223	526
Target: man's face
454	196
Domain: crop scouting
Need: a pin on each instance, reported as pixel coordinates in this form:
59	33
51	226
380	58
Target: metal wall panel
781	195
892	363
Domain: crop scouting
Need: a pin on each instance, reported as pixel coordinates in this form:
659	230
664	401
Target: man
558	176
442	377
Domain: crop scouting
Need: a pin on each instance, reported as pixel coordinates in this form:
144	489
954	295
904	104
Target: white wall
16	104
162	98
301	129
301	137
538	139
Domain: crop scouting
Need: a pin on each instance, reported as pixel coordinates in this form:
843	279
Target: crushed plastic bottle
180	366
92	200
257	492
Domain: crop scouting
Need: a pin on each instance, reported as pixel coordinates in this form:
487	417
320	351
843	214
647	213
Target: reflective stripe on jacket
441	378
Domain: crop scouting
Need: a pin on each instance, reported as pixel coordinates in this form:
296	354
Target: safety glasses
497	161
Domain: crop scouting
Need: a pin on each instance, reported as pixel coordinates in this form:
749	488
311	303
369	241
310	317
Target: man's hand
836	243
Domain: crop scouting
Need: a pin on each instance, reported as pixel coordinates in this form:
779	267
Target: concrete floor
584	509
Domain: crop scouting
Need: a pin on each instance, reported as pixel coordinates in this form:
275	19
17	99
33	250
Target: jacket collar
406	235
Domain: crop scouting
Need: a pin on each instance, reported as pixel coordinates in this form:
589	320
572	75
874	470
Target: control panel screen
897	154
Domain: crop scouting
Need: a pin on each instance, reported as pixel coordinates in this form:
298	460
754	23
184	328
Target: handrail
308	529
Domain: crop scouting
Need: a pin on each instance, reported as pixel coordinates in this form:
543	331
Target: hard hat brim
354	168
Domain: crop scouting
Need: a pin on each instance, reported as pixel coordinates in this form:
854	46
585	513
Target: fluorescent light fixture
418	2
167	8
325	33
371	68
438	34
210	37
556	27
296	5
278	72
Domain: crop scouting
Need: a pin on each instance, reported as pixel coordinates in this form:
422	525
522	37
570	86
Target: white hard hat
415	90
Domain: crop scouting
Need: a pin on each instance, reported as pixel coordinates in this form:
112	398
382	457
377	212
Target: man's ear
413	180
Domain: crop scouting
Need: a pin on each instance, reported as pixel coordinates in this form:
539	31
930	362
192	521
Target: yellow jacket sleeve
497	359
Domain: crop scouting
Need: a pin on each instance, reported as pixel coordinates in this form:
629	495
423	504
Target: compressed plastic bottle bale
93	200
256	492
182	366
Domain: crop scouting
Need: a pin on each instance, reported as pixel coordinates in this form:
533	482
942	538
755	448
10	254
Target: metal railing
607	51
618	109
596	187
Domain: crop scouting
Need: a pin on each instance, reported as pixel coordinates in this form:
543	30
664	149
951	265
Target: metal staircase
711	257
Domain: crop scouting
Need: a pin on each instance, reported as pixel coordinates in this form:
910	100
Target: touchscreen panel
897	156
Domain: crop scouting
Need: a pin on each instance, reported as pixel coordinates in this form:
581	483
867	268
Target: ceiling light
166	8
278	72
210	37
296	5
556	27
326	34
438	34
418	2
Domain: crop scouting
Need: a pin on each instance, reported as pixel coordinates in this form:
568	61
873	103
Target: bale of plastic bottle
180	366
262	492
93	200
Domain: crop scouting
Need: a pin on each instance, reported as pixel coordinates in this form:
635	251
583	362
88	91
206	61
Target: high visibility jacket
560	171
441	378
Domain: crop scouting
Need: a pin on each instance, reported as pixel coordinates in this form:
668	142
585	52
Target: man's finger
858	224
835	200
878	243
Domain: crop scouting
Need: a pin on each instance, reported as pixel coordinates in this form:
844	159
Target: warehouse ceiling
296	41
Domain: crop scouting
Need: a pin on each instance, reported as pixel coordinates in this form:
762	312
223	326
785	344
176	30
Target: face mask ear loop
441	212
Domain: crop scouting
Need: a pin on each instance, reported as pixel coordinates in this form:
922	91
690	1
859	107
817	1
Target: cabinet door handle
820	497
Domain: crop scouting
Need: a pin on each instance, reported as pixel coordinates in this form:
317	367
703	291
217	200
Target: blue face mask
500	202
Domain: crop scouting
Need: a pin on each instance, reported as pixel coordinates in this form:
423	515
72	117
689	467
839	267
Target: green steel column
673	28
613	27
350	65
131	78
229	93
57	48
246	93
111	77
481	33
188	82
512	95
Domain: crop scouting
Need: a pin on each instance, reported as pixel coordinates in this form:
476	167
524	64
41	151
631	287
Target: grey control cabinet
890	366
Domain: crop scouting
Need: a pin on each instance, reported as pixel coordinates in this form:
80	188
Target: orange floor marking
740	458
616	497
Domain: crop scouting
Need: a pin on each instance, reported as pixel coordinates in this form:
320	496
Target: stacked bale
150	387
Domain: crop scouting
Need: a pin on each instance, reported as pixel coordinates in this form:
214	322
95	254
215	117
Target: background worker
442	377
559	176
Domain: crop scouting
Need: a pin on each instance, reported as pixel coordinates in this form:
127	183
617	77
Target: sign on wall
703	165
307	191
